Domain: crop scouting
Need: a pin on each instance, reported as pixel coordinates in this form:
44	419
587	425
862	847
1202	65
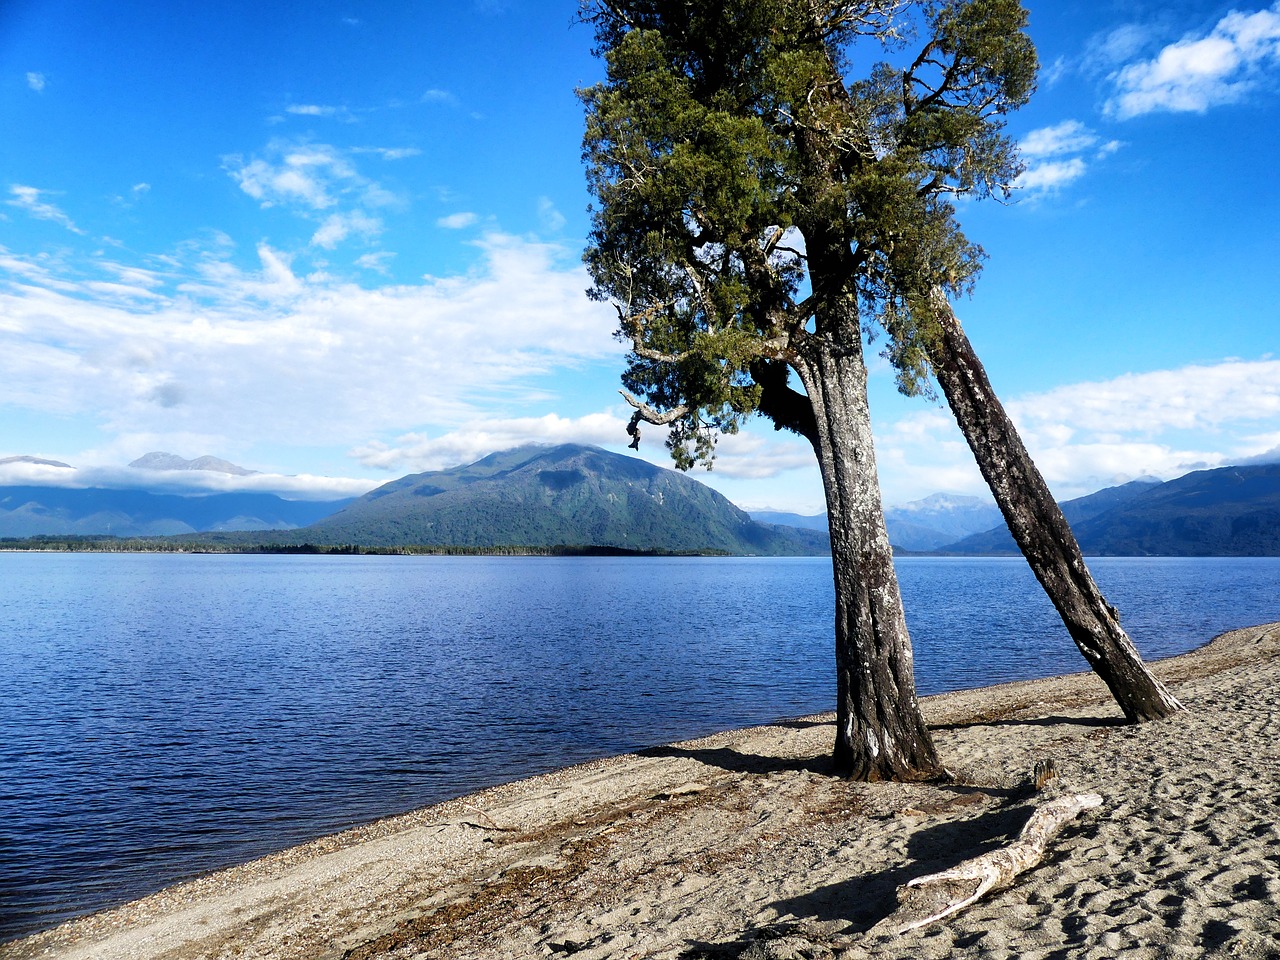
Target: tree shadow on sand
850	907
737	762
1035	722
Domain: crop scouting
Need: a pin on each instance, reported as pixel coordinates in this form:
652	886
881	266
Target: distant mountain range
1228	511
919	526
65	511
578	496
998	539
171	461
1231	511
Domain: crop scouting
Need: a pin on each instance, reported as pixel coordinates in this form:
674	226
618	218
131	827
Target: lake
166	715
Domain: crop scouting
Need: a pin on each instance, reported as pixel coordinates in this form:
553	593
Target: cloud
457	221
292	487
1052	73
420	452
1070	136
311	176
760	453
28	199
390	153
1201	398
1086	436
338	226
342	114
35	81
1164	423
1059	155
267	356
1052	175
552	219
1239	54
378	262
1107	51
317	182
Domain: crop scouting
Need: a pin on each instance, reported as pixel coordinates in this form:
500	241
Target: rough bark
880	732
1038	526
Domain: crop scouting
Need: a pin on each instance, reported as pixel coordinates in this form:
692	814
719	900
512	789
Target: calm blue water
162	715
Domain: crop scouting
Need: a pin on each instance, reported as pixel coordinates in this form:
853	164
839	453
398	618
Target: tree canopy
767	170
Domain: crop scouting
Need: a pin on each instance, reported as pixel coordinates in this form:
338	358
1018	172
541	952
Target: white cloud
1051	73
28	199
1053	175
1086	436
342	114
317	182
760	453
267	356
1107	51
1201	398
420	452
1070	136
1200	72
338	226
390	153
378	262
457	221
1059	155
552	219
292	487
35	81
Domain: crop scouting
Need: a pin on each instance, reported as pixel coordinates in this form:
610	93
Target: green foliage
745	182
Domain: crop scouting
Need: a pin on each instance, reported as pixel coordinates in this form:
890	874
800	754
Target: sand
743	845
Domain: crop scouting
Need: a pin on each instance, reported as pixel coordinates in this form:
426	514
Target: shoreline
743	837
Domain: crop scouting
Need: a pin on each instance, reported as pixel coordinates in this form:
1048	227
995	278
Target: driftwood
926	899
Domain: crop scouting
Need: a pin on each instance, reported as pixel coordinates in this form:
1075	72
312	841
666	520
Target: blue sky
339	242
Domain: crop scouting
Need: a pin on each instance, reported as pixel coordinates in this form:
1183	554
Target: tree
757	211
1037	524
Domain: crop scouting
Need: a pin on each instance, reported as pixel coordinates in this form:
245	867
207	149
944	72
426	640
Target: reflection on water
167	715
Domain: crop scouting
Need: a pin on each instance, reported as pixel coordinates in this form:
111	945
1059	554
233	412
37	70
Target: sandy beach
744	845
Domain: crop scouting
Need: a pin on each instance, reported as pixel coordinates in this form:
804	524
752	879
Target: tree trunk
880	732
1038	526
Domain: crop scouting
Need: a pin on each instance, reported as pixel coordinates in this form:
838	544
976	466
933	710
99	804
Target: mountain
921	525
35	460
938	520
60	511
816	522
1229	511
998	540
568	495
171	461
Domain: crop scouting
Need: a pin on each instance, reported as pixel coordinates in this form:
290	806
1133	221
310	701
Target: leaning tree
759	211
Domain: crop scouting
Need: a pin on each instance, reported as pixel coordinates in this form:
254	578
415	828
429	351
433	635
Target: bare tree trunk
1038	526
880	732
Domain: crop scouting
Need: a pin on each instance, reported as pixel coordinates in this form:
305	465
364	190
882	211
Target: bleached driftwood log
929	898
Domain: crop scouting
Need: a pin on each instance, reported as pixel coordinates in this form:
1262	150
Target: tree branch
649	415
939	895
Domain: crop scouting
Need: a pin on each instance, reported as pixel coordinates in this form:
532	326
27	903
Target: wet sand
743	845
